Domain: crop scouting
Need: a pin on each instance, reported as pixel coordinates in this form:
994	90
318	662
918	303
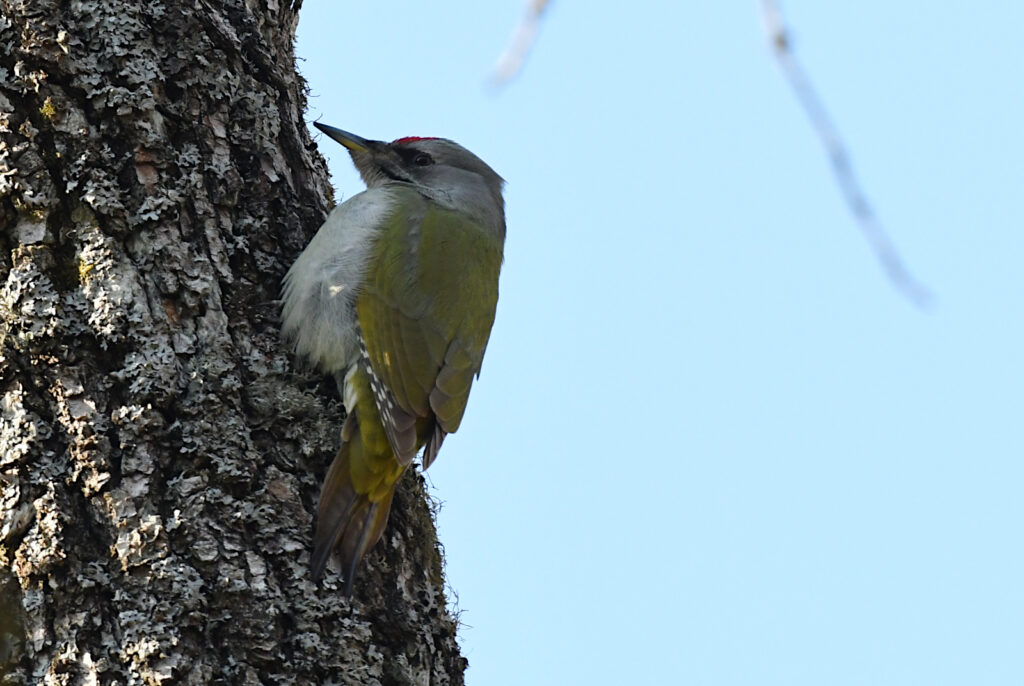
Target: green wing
426	310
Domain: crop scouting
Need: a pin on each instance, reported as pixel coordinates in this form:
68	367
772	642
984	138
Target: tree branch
510	63
839	158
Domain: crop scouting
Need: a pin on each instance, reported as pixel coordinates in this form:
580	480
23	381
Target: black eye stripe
411	156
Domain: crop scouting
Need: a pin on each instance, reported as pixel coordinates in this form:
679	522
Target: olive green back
425	311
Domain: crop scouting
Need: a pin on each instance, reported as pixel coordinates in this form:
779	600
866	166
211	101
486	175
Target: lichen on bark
159	455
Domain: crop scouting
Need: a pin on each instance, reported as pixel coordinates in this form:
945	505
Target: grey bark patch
159	457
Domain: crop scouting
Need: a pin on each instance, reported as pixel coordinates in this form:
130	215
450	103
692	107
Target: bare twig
872	228
511	61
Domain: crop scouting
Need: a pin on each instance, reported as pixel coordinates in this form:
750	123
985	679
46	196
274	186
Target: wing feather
425	315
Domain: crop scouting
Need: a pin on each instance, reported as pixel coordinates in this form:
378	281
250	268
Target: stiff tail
354	504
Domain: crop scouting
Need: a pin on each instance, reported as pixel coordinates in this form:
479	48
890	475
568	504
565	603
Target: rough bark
159	456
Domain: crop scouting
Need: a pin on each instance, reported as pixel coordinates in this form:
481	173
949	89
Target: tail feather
337	501
363	531
347	518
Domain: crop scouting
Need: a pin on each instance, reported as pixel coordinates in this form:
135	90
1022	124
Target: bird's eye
423	160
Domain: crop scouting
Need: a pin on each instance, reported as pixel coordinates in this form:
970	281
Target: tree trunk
160	460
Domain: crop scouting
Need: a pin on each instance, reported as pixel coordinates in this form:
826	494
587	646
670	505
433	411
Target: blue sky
711	444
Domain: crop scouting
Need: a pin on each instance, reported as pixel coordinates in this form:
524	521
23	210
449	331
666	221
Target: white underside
321	287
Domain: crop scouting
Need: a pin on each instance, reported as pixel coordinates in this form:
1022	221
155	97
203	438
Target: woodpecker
395	297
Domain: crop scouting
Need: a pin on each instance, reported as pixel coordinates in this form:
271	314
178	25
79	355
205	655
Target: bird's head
438	167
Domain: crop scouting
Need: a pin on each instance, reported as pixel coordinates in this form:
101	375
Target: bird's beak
349	140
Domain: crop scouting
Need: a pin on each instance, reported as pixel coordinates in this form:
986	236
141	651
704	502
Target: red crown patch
412	139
